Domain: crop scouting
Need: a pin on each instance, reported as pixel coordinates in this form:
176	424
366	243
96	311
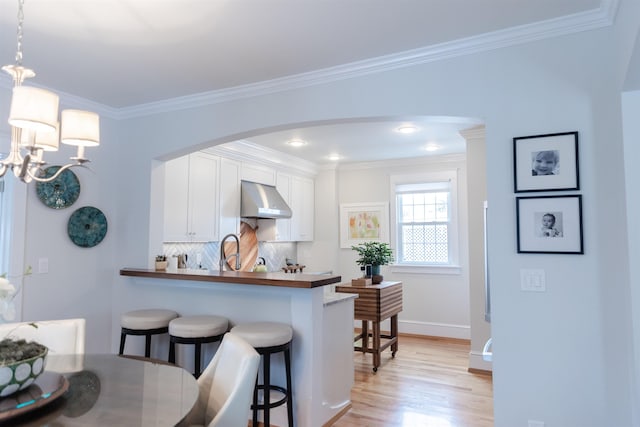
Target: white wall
563	356
79	280
321	254
631	133
433	304
476	197
631	110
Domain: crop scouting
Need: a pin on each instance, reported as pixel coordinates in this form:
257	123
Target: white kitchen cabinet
283	225
191	199
298	192
302	204
255	172
229	197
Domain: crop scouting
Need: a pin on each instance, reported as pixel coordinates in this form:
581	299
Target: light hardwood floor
426	385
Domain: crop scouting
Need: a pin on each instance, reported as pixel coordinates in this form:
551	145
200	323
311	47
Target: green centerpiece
21	362
374	254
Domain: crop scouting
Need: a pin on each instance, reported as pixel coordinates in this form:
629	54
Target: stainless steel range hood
262	201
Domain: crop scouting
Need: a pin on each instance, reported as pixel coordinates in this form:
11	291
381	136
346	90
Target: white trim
447	159
74	101
578	22
453	270
428	329
476	361
450	175
600	17
432	329
243	151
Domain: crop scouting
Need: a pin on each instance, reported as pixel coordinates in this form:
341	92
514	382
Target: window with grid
425	222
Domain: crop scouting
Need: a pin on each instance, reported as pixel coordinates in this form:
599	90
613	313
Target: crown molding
584	21
410	161
244	150
477	132
600	17
69	100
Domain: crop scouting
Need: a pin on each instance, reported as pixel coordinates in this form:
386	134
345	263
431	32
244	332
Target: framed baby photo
549	224
546	162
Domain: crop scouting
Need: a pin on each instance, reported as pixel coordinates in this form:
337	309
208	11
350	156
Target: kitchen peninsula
322	349
287	280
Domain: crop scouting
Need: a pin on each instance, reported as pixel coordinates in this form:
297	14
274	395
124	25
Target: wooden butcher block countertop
296	280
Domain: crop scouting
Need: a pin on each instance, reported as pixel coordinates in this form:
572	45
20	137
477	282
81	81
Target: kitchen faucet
237	254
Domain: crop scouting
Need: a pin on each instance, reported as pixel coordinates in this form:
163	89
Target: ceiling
122	54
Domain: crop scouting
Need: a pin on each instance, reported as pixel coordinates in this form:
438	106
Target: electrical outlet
535	423
532	280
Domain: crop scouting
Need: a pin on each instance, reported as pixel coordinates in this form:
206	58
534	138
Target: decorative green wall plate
60	193
87	226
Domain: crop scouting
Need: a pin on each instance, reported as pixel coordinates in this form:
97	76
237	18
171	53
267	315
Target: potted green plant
374	254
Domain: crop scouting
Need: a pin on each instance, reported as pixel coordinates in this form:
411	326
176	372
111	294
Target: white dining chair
63	337
226	385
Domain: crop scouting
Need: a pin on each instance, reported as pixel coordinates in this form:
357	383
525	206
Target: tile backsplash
208	254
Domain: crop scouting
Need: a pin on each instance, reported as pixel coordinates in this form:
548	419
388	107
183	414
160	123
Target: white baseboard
435	329
477	362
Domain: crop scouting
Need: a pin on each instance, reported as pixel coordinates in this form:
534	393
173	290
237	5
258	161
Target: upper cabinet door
176	200
258	173
203	197
229	197
302	205
283	225
191	199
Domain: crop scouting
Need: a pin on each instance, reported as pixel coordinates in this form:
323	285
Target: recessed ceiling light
432	147
334	157
296	142
406	129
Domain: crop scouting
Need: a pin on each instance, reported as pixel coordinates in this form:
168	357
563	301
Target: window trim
447	269
451	175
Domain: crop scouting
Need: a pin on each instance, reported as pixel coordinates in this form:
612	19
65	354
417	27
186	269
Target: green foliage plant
373	253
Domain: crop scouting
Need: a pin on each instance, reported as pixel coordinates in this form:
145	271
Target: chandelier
35	127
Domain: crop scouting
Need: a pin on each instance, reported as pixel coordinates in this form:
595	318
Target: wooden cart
376	303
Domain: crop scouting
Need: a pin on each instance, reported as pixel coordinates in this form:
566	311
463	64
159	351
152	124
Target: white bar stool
269	338
145	322
195	330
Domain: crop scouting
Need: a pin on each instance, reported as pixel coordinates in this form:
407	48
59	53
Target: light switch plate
532	280
43	265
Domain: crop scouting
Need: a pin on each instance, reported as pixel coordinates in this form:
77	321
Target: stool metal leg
287	367
266	395
147	345
267	387
197	360
123	337
172	351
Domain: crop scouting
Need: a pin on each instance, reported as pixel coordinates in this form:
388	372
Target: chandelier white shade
80	128
48	141
34	108
36	126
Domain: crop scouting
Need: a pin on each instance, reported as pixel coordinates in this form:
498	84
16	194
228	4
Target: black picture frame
549	224
546	162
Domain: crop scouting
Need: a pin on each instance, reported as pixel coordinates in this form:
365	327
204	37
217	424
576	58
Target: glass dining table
107	390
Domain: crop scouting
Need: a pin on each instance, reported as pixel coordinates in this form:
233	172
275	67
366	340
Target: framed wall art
549	224
546	162
363	222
